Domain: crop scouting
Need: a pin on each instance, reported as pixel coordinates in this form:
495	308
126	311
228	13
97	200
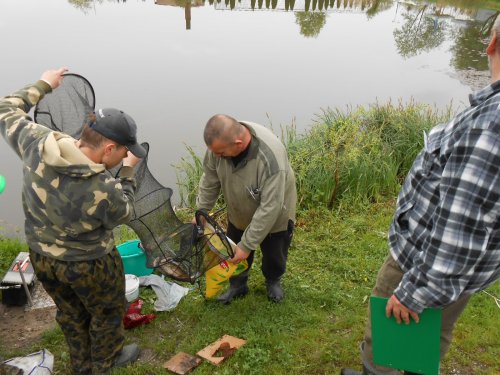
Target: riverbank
349	167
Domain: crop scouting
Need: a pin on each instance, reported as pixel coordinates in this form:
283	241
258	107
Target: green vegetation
332	265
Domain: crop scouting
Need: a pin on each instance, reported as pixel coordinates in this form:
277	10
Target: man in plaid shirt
445	235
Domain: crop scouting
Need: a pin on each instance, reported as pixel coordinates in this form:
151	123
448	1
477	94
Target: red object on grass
134	318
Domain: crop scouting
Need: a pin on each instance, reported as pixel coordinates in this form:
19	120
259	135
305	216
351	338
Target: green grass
331	270
349	167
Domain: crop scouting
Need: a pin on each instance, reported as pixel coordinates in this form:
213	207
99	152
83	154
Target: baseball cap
119	127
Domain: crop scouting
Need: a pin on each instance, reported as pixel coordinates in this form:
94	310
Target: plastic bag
134	318
169	294
217	277
39	363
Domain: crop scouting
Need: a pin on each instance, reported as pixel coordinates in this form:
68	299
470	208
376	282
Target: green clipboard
411	347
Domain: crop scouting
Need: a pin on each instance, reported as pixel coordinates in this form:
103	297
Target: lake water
171	65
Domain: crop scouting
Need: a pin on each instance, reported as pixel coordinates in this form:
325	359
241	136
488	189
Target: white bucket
131	287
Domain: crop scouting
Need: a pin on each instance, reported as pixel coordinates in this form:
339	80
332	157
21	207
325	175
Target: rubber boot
128	355
274	290
237	288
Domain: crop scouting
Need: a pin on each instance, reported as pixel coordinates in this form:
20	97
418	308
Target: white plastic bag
39	363
169	294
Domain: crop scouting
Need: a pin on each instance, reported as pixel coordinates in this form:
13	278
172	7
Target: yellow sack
216	277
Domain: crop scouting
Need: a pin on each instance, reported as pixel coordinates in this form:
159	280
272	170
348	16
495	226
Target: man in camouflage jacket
71	206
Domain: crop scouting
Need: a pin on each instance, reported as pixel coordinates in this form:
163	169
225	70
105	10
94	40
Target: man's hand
130	160
239	255
400	311
54	77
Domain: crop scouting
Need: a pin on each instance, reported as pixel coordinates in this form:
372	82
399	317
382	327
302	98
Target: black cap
119	127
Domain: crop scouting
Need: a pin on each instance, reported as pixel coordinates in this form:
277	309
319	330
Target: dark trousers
90	300
274	253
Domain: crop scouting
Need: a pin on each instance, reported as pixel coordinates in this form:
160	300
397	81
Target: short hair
89	137
222	127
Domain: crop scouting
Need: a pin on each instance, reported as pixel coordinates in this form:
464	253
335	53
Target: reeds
359	156
346	158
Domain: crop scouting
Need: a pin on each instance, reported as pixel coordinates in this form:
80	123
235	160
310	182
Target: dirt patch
21	328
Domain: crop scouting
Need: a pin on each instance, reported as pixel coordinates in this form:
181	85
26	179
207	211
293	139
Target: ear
490	50
239	143
109	148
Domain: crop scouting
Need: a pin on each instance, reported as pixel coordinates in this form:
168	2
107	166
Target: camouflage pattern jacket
71	204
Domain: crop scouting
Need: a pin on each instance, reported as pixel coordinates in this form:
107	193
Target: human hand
54	77
400	311
130	160
239	255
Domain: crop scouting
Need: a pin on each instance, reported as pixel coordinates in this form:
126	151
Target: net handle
202	217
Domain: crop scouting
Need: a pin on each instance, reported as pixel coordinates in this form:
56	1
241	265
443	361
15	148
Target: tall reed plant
357	157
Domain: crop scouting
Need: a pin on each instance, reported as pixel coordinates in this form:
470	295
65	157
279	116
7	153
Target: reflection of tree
377	6
470	44
83	5
419	33
310	23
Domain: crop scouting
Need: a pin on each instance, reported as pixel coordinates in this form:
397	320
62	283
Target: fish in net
181	251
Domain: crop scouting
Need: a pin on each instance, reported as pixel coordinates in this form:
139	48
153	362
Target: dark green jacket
70	204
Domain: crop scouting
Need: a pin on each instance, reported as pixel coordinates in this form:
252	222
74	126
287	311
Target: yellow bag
216	277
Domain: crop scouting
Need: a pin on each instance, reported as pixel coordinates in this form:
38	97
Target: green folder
412	347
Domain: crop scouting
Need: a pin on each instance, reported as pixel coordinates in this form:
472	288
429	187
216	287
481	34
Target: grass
331	270
338	247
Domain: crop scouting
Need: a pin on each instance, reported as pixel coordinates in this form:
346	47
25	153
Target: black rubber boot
128	355
238	288
232	293
274	290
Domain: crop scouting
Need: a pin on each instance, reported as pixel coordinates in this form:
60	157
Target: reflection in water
424	25
420	32
369	6
427	26
310	22
186	4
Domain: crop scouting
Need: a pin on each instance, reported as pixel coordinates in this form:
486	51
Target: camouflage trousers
90	300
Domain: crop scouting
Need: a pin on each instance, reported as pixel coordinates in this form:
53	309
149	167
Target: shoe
232	293
128	355
274	291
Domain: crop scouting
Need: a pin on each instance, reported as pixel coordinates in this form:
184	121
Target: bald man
249	165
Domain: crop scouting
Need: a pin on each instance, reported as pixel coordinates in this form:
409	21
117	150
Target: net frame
187	252
66	109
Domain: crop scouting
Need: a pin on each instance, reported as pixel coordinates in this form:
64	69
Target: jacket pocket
402	214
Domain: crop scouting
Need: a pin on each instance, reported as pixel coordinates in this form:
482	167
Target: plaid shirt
445	234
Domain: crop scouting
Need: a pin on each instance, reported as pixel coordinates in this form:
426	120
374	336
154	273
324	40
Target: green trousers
388	278
90	300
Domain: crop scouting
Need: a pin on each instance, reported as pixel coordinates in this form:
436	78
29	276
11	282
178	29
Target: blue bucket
134	258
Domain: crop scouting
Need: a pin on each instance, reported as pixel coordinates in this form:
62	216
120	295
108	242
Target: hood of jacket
61	152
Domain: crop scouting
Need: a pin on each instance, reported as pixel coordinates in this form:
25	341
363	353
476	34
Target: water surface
173	64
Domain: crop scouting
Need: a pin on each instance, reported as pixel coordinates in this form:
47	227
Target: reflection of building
356	6
186	4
